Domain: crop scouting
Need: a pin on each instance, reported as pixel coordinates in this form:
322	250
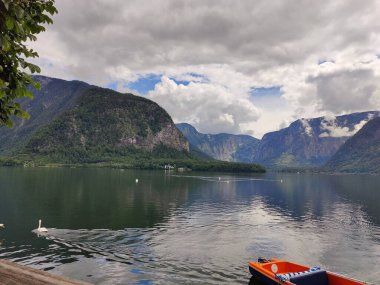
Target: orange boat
275	271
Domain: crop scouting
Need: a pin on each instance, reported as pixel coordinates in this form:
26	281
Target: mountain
309	142
360	153
223	146
72	121
304	143
55	97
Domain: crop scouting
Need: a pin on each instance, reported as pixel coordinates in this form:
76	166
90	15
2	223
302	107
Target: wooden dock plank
12	274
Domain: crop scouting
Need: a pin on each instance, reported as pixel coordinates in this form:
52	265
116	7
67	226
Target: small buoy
2	226
137	181
281	180
219	178
228	181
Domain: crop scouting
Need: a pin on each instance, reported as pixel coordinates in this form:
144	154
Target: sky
241	67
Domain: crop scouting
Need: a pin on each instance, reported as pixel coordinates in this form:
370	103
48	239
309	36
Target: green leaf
6	45
9	23
51	9
32	37
23	115
36	85
19	29
28	94
9	123
19	12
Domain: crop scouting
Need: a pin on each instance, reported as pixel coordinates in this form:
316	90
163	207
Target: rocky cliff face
225	147
360	153
168	135
83	121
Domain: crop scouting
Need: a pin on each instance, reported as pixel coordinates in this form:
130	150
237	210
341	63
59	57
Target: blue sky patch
266	91
145	84
195	76
183	82
112	85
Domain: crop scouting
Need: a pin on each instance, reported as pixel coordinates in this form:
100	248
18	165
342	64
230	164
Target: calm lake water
193	228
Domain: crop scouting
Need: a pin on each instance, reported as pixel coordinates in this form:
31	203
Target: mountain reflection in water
187	229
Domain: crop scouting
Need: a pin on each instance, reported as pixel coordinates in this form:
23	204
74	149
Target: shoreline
159	164
14	273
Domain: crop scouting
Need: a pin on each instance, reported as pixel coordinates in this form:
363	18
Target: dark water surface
191	229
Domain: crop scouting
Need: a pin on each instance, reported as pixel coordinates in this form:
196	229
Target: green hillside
107	125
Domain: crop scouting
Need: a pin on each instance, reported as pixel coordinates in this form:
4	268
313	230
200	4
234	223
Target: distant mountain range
74	122
304	143
309	142
360	153
225	147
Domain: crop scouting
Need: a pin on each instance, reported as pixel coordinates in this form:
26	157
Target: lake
187	228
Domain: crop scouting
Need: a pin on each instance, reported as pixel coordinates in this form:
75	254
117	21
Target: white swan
41	229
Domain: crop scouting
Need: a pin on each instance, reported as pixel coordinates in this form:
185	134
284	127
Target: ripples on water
201	229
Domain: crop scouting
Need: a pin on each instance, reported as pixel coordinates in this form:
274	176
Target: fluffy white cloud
235	45
208	107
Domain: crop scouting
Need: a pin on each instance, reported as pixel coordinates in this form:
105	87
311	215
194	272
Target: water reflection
199	229
84	198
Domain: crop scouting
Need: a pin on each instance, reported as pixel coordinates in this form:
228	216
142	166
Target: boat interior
292	273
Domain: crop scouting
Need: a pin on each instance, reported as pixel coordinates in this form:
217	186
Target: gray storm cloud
347	91
256	43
